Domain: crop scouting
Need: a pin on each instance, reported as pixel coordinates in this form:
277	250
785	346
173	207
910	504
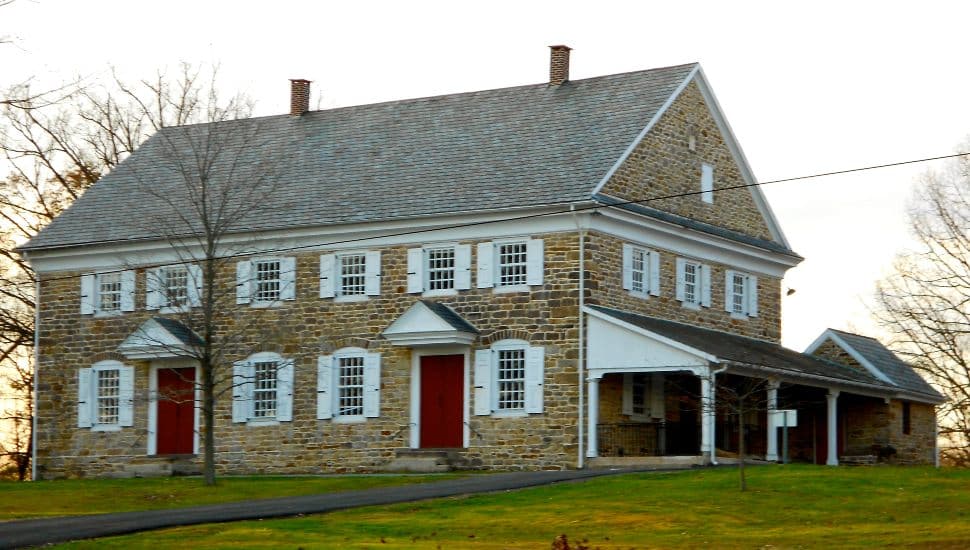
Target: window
353	275
105	396
349	385
510	265
265	282
173	288
509	379
707	183
108	293
262	389
643	395
439	269
641	271
693	283
907	418
740	294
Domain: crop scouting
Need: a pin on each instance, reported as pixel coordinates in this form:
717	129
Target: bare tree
56	144
925	302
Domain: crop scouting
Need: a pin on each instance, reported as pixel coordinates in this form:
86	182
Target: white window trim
242	400
702	283
91	293
88	396
155	292
651	270
328	386
489	272
486	380
331	280
749	297
419	270
246	281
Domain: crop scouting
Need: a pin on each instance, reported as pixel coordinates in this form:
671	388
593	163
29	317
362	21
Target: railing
631	439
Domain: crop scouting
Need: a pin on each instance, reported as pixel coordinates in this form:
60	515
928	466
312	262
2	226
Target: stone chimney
299	96
558	65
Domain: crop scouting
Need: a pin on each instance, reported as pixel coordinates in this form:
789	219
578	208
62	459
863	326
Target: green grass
785	507
95	496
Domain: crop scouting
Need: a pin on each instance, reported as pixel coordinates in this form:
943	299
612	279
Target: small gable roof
160	337
429	323
874	356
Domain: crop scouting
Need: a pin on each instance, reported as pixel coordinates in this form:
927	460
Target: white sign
785	417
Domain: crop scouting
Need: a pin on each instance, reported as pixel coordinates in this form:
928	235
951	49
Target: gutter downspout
580	462
714	374
33	426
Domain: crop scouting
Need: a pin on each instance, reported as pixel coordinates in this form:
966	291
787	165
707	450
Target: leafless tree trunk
925	302
738	396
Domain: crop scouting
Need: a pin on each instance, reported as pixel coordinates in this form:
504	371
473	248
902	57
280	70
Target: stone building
544	276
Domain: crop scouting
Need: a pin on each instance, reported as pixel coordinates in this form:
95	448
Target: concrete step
424	460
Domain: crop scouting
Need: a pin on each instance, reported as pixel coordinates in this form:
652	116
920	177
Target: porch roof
733	349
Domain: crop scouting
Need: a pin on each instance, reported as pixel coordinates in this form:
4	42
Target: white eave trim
702	355
830	334
438	338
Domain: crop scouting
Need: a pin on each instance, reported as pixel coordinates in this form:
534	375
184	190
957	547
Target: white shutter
627	406
679	293
287	278
463	267
195	285
324	380
415	270
658	403
284	390
483	382
241	384
705	271
535	262
328	272
372	385
627	266
654	273
128	290
707	183
486	265
85	398
372	273
88	294
126	395
728	290
244	271
534	378
752	296
155	288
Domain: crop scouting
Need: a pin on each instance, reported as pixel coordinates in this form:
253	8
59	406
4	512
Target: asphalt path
37	532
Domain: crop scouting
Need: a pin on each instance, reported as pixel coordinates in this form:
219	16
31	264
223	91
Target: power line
570	210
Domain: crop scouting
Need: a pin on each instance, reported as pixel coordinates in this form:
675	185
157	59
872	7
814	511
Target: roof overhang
422	325
152	340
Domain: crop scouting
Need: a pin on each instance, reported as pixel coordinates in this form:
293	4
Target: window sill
180	309
740	316
691	305
262	422
350	298
349	420
106	428
511	289
438	293
640	295
265	305
510	414
107	314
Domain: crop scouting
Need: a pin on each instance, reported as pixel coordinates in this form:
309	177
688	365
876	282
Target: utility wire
570	210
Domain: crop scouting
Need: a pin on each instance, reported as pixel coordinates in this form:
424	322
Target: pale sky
811	88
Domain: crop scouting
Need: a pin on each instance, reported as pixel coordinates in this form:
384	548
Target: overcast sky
827	86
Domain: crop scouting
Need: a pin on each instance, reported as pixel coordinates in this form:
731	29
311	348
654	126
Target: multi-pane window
350	386
108	400
109	292
267	281
691	283
738	294
638	272
264	389
639	395
353	273
510	379
176	286
512	263
441	268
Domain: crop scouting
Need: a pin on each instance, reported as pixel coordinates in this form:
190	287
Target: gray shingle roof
183	333
449	316
748	351
504	148
882	358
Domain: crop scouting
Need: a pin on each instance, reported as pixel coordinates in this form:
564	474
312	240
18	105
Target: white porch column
592	415
772	453
833	428
707	415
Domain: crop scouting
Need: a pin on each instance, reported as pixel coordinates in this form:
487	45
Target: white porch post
833	428
592	415
772	453
707	415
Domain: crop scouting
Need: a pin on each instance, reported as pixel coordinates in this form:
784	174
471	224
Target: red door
442	380
176	411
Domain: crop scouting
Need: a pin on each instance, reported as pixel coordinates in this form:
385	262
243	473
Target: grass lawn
785	507
96	496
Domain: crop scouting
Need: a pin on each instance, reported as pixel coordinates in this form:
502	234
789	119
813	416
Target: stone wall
663	165
604	265
833	352
302	330
918	446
